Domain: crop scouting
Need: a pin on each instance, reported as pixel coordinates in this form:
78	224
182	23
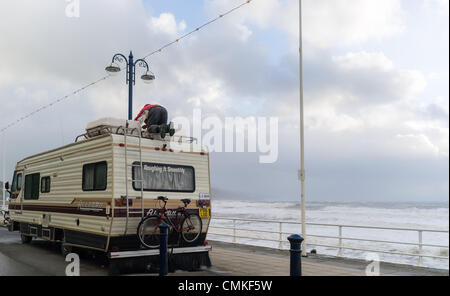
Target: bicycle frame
188	226
178	218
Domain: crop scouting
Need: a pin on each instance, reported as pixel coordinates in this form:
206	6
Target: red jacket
146	107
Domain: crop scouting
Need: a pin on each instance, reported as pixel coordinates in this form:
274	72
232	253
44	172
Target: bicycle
188	225
6	218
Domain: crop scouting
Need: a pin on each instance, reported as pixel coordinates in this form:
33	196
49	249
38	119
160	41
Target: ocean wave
398	216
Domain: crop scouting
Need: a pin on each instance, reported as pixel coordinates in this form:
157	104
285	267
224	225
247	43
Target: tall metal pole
130	85
302	135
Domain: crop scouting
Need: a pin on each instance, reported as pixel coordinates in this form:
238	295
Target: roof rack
108	130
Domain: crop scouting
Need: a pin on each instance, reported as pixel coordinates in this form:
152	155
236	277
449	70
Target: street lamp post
148	77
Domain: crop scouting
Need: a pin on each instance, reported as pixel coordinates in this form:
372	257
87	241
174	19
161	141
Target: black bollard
163	265
296	254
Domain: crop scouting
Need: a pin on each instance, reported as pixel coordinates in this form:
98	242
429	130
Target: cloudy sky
376	85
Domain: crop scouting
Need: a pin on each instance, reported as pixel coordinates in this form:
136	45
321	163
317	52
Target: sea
430	216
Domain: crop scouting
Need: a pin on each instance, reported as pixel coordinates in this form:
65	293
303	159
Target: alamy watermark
373	268
73	8
233	134
73	268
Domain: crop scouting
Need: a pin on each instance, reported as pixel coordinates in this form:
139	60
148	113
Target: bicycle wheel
148	232
191	228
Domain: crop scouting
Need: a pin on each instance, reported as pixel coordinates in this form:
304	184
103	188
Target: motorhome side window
164	177
45	185
32	186
95	176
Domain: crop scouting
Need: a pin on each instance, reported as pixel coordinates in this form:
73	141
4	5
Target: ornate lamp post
148	77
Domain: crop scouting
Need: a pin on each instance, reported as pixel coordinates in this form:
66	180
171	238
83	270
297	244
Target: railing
116	130
278	236
184	139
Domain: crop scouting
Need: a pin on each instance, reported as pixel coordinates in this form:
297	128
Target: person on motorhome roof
152	115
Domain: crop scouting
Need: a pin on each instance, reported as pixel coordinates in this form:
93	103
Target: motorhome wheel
25	239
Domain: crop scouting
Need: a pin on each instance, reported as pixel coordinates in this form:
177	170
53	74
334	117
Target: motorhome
94	192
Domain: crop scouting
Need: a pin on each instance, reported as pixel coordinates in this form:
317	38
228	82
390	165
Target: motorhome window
164	177
45	185
19	182
32	186
95	176
14	183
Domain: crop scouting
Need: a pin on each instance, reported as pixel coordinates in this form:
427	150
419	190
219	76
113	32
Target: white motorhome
91	194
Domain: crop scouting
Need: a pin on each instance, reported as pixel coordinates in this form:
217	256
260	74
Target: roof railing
117	130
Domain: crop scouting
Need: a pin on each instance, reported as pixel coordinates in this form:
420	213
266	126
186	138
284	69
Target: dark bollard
296	254
163	265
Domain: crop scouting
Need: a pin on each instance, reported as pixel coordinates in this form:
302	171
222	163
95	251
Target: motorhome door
16	188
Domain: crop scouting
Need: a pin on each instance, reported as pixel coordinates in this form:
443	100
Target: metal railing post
281	236
164	262
296	254
340	241
420	248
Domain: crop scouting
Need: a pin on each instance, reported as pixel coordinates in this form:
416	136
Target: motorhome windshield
164	177
17	182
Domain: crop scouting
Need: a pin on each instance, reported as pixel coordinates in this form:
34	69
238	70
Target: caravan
95	192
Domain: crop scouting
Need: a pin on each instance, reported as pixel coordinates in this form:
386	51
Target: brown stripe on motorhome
61	209
118	212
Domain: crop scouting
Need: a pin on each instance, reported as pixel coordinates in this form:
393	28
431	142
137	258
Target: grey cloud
435	112
47	52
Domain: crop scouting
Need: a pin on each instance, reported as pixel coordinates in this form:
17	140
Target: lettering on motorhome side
156	211
91	206
161	169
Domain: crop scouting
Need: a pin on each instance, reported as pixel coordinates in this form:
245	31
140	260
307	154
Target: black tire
26	239
191	228
148	232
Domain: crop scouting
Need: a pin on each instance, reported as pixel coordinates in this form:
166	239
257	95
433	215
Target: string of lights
146	56
198	28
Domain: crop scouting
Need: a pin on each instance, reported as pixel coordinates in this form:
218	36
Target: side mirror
7	185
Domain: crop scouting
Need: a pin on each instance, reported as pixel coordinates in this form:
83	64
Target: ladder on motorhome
128	132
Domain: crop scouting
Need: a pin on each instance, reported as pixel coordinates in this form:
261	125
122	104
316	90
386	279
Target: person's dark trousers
157	116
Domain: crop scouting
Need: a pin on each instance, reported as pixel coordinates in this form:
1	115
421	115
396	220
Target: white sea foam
397	215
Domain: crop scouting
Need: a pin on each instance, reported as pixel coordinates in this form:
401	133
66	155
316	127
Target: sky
376	90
